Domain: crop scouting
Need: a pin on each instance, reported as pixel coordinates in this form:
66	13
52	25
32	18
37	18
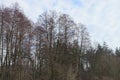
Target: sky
101	17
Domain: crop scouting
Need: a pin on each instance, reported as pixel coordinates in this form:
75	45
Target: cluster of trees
53	48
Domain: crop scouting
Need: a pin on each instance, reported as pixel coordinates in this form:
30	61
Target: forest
53	48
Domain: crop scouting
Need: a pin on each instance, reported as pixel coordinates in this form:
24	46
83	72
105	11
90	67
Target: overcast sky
101	17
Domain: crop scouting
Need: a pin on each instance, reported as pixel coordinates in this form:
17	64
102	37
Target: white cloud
102	17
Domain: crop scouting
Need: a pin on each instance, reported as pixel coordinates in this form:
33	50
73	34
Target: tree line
53	48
